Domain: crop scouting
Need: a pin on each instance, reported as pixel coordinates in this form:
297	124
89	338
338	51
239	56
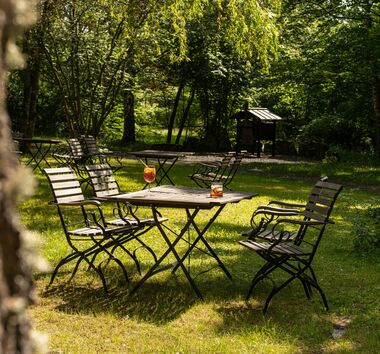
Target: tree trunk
129	134
15	274
174	113
31	78
185	116
375	84
376	105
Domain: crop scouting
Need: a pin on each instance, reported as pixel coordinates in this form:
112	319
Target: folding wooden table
193	201
165	160
38	150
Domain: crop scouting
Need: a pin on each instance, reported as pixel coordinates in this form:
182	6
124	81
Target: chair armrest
278	202
277	212
81	203
304	222
213	164
270	208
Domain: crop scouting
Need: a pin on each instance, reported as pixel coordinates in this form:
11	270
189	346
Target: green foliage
366	228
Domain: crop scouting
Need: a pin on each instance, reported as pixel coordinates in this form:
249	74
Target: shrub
366	229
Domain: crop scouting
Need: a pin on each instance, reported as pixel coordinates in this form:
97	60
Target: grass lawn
165	316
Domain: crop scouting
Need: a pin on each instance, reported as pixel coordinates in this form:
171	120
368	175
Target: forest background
118	70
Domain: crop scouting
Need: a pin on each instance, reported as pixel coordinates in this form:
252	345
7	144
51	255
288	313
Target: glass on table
149	174
216	190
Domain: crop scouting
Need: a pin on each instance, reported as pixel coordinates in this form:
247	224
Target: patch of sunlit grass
165	316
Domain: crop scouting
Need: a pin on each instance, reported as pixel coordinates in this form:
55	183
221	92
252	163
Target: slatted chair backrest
102	180
76	148
234	166
321	201
318	208
90	145
66	189
64	185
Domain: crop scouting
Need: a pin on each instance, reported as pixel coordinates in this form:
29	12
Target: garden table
165	160
192	200
38	150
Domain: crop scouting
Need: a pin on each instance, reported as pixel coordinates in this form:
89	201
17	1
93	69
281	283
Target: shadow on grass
160	299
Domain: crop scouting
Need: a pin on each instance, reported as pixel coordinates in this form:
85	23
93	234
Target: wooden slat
103	180
281	248
59	170
106	193
105	186
86	231
319	209
62	185
328	185
319	200
100	173
98	167
324	192
70	191
64	177
314	216
76	198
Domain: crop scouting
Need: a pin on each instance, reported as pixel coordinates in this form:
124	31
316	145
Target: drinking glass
149	174
216	190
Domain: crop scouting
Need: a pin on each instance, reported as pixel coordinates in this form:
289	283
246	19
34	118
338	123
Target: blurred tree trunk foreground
15	273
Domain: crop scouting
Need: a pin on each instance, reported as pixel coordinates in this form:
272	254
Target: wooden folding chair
288	239
221	172
91	147
104	185
91	237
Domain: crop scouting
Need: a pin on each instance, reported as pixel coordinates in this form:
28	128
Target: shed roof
262	113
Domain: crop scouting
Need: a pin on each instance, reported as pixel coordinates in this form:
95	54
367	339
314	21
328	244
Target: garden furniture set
285	235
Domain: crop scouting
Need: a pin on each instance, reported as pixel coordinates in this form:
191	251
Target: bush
366	229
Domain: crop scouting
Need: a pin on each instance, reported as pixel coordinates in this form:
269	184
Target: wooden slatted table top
180	197
158	154
38	140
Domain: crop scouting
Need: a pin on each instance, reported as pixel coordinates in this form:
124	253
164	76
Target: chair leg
75	269
62	262
100	273
262	273
130	254
316	285
275	290
143	244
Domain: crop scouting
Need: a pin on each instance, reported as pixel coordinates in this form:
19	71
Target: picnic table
192	201
165	160
38	150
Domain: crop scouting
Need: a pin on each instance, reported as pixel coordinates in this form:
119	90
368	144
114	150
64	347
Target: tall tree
224	42
325	82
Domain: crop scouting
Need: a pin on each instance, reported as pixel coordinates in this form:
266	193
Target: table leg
165	172
162	173
37	155
171	249
43	154
200	237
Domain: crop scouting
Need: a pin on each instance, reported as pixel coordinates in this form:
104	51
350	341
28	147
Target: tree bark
174	113
15	273
31	78
185	116
129	134
376	105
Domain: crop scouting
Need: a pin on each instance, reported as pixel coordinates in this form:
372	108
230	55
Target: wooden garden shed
255	125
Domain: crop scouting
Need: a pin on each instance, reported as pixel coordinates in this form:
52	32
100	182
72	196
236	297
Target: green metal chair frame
288	239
